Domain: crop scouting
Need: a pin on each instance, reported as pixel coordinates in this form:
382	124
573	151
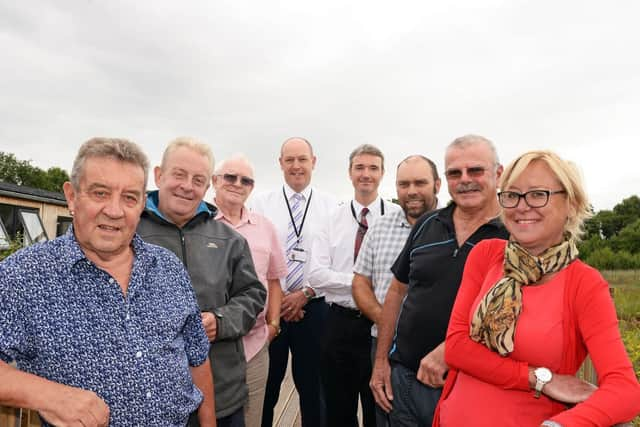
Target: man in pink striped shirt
233	182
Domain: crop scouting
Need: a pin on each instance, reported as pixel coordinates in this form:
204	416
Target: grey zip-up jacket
225	282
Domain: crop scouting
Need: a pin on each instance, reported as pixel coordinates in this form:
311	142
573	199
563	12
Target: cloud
408	77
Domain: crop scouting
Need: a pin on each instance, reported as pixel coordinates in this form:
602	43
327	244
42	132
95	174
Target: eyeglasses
533	198
472	172
232	178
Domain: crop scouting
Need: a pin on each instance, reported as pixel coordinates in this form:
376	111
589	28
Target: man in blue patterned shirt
417	186
104	328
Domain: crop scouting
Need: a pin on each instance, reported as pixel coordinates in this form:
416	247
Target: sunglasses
232	178
472	172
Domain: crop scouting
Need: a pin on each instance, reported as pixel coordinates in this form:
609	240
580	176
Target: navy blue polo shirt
431	263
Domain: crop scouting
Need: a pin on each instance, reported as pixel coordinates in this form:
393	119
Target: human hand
291	307
71	406
294	316
210	324
272	332
433	368
568	389
380	384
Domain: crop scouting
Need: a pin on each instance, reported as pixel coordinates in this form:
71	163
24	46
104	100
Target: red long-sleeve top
590	325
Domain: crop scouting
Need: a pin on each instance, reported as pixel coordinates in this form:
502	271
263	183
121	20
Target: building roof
29	193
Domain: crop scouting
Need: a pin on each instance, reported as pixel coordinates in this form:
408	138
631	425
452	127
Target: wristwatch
276	325
543	376
549	423
307	293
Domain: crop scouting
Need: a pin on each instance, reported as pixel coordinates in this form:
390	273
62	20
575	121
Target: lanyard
304	216
361	225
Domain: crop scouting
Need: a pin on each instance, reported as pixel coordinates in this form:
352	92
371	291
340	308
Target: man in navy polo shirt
427	274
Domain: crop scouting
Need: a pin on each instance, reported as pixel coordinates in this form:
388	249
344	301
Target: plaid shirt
380	248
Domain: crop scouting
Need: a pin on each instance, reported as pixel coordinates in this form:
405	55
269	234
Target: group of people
164	309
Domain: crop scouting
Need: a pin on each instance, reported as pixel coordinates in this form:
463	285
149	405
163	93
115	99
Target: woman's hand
568	389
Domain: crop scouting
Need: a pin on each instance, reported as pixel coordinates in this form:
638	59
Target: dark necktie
362	230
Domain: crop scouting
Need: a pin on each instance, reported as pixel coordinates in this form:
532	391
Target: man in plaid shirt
417	185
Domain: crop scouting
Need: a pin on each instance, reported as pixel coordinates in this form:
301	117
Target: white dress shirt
332	262
273	205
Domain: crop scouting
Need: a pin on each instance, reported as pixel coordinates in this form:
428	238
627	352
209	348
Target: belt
314	300
345	311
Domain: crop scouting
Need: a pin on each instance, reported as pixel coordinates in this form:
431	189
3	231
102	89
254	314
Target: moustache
468	186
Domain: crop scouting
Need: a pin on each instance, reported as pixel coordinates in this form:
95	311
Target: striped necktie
295	277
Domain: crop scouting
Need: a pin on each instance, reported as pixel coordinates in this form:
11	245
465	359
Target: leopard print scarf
494	321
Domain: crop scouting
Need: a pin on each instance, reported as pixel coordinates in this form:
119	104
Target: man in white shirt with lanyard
297	211
345	361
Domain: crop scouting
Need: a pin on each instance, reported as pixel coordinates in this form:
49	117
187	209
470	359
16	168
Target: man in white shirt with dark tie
345	361
297	210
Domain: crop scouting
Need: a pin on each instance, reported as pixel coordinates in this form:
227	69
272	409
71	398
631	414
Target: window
4	237
22	223
33	228
63	224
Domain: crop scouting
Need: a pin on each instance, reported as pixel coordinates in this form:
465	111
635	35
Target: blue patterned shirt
66	320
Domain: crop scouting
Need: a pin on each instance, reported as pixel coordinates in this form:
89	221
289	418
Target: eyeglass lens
473	172
232	178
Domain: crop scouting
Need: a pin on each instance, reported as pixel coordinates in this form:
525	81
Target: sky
408	77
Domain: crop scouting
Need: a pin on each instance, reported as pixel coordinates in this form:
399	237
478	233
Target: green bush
608	259
14	245
626	295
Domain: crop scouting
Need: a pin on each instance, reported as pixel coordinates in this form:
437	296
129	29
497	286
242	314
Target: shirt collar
246	217
153	198
290	192
446	215
401	219
75	254
374	207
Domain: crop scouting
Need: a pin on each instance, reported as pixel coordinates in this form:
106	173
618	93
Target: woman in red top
528	312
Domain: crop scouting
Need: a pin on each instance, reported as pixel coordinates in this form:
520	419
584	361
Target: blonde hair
192	144
570	179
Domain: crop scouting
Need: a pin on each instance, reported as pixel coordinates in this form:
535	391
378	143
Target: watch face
543	374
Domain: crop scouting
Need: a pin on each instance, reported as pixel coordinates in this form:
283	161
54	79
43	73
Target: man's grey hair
116	148
471	139
366	149
192	144
237	157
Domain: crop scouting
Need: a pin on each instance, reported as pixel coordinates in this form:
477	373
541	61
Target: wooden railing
12	417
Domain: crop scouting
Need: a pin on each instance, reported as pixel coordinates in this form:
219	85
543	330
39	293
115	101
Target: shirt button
148	394
139	354
111	280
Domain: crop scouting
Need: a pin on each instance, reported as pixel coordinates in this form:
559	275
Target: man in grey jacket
218	261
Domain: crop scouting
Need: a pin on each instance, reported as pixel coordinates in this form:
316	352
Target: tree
612	239
628	239
608	223
628	210
21	172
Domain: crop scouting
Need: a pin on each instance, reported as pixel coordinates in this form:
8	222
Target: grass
626	295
